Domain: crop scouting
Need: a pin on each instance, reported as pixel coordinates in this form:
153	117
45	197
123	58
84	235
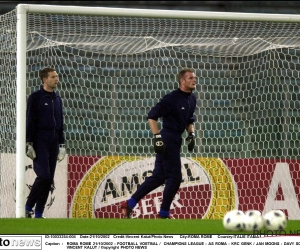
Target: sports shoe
168	217
40	217
126	211
28	214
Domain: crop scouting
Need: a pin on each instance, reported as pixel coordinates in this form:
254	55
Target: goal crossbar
154	13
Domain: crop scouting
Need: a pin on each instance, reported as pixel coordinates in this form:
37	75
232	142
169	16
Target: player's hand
159	146
191	141
30	150
61	152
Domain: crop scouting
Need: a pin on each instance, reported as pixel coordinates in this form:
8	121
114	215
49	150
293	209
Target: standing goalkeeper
177	111
44	140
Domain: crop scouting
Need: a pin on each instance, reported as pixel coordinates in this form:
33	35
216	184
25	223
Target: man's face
50	83
189	81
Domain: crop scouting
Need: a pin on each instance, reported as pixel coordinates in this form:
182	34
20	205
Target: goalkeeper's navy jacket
176	109
44	112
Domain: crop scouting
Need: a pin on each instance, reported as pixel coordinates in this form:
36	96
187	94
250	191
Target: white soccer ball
233	220
253	220
275	220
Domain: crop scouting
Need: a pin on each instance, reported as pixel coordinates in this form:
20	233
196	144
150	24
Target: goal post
21	110
114	64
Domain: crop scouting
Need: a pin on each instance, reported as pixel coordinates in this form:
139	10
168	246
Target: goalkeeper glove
61	152
191	141
30	150
159	146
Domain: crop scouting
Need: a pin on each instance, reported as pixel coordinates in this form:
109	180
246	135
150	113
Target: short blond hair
182	73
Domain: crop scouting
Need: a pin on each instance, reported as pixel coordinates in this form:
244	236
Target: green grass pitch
13	226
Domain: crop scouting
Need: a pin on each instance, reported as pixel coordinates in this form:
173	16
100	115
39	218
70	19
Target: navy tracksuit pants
167	170
46	148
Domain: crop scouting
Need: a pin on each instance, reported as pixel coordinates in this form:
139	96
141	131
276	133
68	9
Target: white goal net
113	69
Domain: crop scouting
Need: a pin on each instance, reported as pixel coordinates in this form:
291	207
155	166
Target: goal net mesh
112	70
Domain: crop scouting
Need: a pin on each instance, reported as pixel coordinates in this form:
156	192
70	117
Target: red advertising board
210	186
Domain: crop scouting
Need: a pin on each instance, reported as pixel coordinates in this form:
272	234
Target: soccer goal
114	64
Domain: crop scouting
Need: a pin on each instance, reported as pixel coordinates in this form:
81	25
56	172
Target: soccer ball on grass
253	220
275	220
234	220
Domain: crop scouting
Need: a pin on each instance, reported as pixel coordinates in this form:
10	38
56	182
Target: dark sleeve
192	114
61	138
191	120
31	118
161	109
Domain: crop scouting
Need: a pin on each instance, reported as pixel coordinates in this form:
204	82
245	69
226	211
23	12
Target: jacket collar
184	93
47	93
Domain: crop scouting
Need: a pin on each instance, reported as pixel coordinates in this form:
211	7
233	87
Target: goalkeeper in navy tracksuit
177	111
44	140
